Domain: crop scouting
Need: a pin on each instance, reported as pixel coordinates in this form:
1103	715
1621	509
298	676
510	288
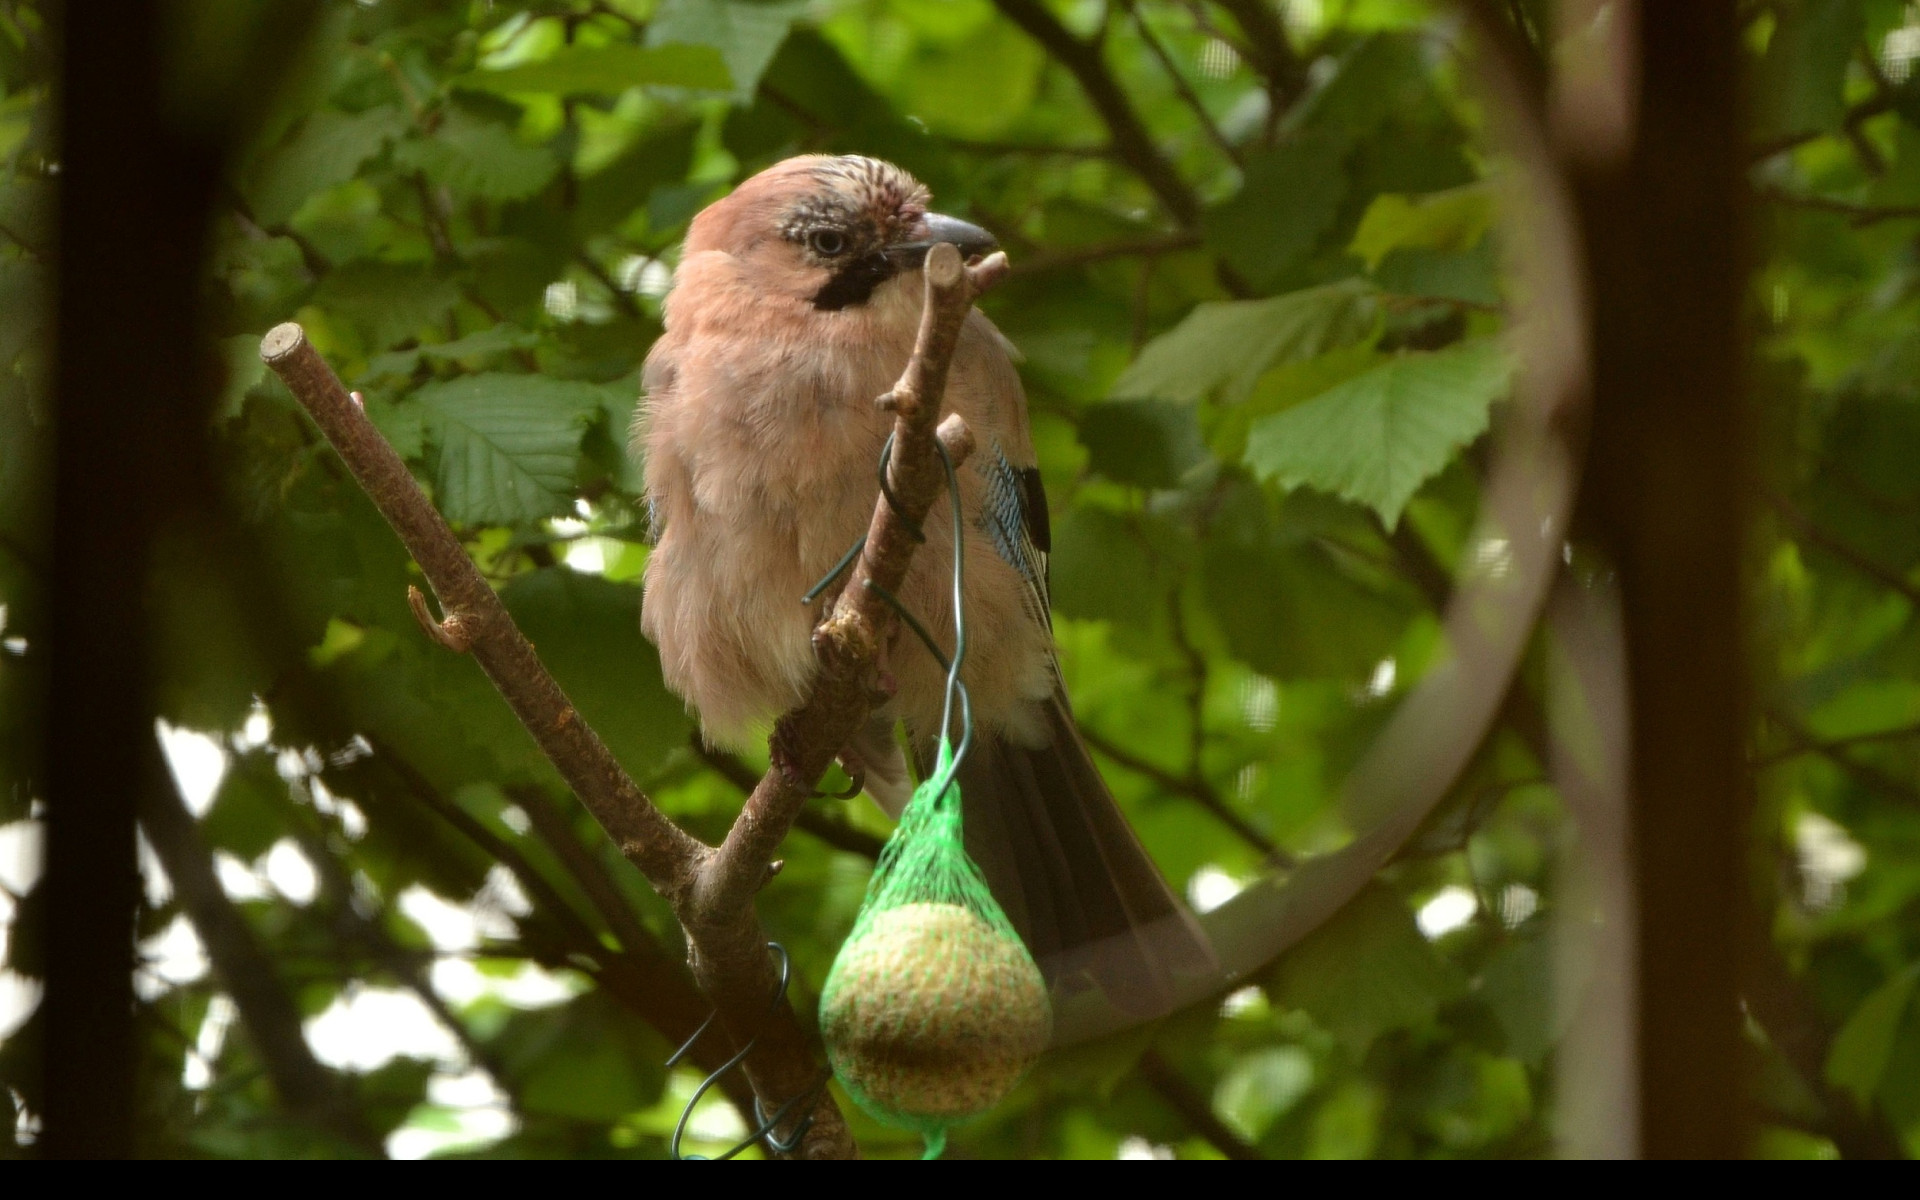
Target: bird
794	306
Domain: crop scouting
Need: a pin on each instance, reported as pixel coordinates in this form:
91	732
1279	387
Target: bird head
830	230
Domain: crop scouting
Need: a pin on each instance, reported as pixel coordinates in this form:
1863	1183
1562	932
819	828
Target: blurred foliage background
1257	286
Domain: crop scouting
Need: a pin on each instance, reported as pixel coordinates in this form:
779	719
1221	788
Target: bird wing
1015	516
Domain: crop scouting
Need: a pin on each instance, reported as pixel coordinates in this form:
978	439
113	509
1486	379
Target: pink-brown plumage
761	453
794	308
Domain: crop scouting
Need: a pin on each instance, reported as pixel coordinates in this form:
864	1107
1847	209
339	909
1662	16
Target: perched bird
795	305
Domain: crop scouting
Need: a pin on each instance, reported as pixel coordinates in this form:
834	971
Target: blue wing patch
1015	518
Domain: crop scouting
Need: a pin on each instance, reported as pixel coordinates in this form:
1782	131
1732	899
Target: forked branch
711	889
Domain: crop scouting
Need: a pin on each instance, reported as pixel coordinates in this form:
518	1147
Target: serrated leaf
507	444
1859	1055
607	71
477	157
1376	438
328	149
746	35
1225	347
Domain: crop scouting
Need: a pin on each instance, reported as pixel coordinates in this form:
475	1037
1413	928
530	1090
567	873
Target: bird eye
826	241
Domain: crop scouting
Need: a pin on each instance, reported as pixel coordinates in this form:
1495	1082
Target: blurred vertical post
1662	216
133	211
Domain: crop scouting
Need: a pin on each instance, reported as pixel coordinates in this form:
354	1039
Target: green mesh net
934	1010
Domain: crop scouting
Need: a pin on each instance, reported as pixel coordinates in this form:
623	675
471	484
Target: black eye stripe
854	283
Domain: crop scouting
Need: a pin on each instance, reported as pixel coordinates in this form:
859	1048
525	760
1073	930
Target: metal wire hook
767	1124
893	501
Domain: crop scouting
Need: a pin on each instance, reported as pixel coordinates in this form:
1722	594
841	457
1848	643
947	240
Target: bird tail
1072	876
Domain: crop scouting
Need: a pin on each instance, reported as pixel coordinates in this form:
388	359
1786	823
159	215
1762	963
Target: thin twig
809	820
1271	53
1870	777
1807	530
1172	1087
622	299
1861	214
1131	139
1180	85
1832	746
1080	256
1194	788
711	889
245	969
580	862
1882	101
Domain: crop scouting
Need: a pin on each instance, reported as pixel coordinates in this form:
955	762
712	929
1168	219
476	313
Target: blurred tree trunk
135	198
1667	480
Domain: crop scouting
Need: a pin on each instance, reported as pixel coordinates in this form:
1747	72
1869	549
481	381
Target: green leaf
1285	605
1100	569
480	158
1379	75
1859	1055
507	444
588	632
1376	438
387	302
978	86
1454	220
746	35
607	71
249	812
242	368
328	149
1225	347
1289	198
1517	985
1148	443
1802	79
1261	1087
1365	972
589	1059
1471	276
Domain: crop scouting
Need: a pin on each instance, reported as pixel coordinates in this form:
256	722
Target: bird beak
969	239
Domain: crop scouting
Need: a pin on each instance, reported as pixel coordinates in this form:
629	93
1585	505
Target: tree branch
1861	214
1080	256
834	832
271	1018
1131	140
1180	85
1272	54
1807	530
711	889
1881	101
1172	1087
1194	788
644	978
